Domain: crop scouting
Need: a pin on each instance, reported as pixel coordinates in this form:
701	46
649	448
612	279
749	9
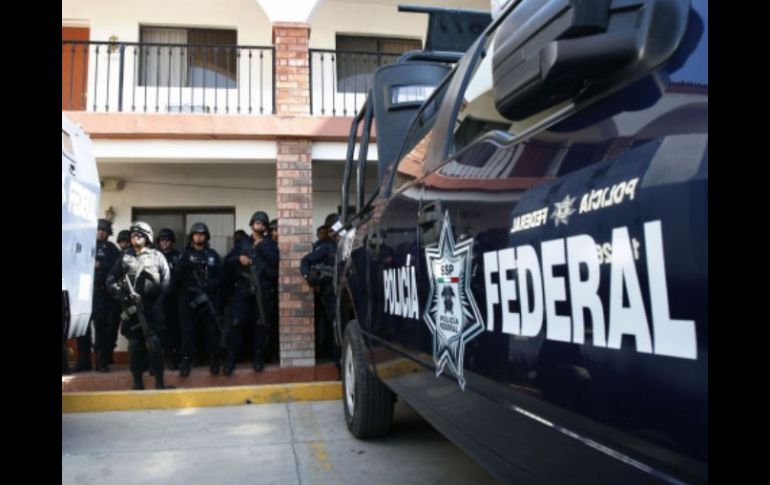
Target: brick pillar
292	68
294	179
295	236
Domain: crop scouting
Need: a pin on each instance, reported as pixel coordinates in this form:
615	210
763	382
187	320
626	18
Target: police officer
322	234
172	336
148	276
104	310
238	235
199	281
253	267
274	230
124	240
316	268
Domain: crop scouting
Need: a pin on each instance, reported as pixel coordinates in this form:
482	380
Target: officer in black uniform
274	230
172	337
252	265
317	268
124	240
104	310
238	235
273	352
149	277
199	282
322	234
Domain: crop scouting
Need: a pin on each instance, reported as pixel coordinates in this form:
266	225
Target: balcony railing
167	78
340	80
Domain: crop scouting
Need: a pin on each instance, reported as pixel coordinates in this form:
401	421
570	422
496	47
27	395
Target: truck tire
368	403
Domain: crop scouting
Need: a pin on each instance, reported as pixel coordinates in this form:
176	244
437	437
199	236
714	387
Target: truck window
66	143
415	148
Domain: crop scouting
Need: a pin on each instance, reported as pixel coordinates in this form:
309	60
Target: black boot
185	367
83	366
172	361
101	363
138	382
160	384
214	364
258	365
229	366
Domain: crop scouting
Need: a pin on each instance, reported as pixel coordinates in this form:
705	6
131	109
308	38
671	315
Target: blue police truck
531	272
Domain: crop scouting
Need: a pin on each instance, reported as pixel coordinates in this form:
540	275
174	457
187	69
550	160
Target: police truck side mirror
549	52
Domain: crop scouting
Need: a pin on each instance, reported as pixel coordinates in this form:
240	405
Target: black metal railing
167	78
339	80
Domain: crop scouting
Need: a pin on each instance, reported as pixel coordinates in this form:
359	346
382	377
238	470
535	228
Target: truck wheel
368	402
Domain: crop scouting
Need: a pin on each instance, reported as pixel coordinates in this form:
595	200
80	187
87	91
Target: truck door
565	243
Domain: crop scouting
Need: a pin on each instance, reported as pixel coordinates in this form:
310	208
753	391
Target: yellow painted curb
83	402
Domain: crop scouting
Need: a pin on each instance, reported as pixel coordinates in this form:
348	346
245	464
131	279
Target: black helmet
274	223
105	225
200	227
142	227
124	235
261	217
239	234
330	220
167	233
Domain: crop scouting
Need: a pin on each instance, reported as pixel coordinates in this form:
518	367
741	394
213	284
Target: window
178	57
221	224
358	58
66	142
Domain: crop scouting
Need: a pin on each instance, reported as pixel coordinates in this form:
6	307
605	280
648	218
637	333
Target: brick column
292	68
294	189
295	233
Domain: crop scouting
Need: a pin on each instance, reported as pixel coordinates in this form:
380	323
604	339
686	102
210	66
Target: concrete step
119	378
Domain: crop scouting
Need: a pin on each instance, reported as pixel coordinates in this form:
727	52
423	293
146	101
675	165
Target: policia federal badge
451	314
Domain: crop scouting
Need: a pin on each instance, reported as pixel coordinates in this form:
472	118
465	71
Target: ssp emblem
452	314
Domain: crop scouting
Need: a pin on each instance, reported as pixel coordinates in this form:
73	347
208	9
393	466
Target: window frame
188	58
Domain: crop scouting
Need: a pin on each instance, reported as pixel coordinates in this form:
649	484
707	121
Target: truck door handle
430	214
428	220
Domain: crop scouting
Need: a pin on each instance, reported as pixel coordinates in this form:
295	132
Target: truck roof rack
450	29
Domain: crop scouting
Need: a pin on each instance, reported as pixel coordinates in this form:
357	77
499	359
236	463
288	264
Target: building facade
209	111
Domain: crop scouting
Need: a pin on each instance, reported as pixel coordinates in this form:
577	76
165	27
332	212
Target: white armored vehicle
80	192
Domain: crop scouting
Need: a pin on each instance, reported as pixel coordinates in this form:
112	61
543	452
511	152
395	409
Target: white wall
186	151
246	187
327	183
122	18
378	17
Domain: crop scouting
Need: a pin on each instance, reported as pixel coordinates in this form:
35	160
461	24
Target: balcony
340	80
129	77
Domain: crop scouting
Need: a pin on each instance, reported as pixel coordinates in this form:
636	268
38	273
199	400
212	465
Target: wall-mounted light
112	184
114	46
109	214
